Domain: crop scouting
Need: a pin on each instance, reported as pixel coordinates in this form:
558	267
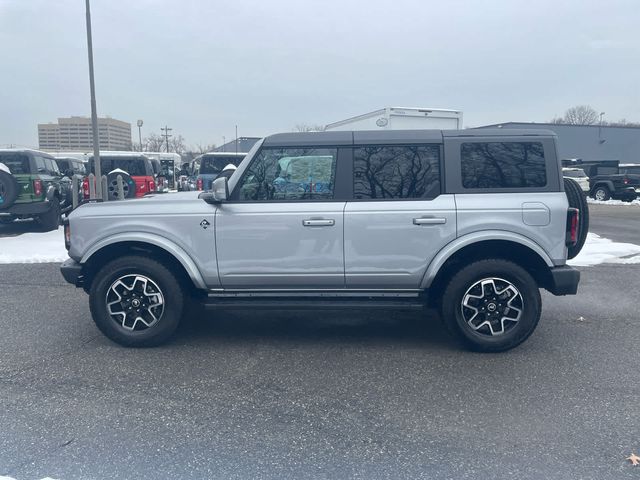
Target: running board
302	301
288	303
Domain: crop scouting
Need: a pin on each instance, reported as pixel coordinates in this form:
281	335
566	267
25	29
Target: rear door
283	226
398	218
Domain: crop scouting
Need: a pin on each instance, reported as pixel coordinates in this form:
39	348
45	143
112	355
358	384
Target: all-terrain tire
8	190
465	288
601	191
128	331
577	200
51	219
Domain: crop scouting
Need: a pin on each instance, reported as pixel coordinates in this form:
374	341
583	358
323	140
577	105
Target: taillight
37	187
152	186
85	188
625	181
67	234
573	217
199	184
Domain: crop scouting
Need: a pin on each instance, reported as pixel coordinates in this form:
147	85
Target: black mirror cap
208	197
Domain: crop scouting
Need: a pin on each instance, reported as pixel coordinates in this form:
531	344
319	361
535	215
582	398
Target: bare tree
622	123
177	144
581	115
153	143
303	127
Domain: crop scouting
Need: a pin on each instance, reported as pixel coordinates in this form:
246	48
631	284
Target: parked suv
472	222
211	164
33	189
136	165
579	176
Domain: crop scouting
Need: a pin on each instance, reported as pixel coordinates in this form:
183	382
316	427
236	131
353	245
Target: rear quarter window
487	165
18	163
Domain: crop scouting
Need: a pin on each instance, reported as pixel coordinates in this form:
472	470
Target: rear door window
396	172
503	165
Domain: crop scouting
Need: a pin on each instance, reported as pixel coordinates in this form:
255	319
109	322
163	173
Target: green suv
32	186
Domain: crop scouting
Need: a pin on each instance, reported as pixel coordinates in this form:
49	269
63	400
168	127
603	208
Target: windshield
577	173
213	164
17	163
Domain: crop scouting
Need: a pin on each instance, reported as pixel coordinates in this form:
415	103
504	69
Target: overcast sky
203	66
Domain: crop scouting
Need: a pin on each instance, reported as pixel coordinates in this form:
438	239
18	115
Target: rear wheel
51	219
491	305
136	301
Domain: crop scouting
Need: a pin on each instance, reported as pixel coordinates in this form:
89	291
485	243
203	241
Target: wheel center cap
135	303
491	307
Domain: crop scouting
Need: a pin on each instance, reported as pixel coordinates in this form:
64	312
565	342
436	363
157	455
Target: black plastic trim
564	280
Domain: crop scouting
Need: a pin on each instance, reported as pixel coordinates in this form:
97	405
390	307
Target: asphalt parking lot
322	394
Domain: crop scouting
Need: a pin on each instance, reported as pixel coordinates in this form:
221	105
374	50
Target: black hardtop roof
125	155
386	137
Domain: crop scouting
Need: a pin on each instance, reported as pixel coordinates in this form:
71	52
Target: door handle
320	222
429	221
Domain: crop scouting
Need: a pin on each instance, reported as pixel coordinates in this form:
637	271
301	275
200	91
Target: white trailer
400	118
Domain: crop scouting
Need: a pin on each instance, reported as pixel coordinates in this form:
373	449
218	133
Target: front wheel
492	305
602	194
136	301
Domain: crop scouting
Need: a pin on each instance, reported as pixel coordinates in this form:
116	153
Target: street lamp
600	128
140	123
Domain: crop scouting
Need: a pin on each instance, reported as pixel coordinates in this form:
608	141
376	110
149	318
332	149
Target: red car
138	166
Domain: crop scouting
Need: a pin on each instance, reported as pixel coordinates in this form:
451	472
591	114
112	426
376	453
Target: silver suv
471	222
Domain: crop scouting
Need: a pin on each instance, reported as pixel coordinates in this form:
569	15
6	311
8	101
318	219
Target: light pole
600	128
94	114
140	123
224	141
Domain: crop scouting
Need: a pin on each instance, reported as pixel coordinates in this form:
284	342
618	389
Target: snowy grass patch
634	203
35	247
598	250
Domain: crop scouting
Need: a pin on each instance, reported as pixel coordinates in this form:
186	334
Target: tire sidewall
51	219
10	189
606	196
164	279
465	278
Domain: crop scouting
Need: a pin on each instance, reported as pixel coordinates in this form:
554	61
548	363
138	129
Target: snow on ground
36	247
598	250
635	203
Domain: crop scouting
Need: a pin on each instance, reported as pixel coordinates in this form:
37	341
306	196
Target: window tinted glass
63	164
396	172
290	174
503	165
17	163
134	166
634	170
574	173
40	165
213	164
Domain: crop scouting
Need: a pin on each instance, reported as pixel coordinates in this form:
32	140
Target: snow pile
34	247
598	250
11	478
634	203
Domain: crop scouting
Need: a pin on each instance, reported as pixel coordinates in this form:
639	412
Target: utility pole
224	141
166	135
94	114
236	138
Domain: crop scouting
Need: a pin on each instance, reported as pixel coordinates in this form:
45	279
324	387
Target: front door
281	228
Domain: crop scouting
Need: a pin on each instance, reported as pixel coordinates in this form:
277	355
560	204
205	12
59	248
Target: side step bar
313	302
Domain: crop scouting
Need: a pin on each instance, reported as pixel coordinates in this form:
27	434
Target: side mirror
219	191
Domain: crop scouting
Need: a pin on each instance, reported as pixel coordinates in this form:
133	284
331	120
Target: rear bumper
72	272
33	208
564	280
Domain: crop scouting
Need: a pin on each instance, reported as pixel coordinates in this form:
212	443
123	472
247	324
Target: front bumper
72	272
564	280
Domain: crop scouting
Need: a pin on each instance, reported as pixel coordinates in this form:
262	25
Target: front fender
177	252
459	243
